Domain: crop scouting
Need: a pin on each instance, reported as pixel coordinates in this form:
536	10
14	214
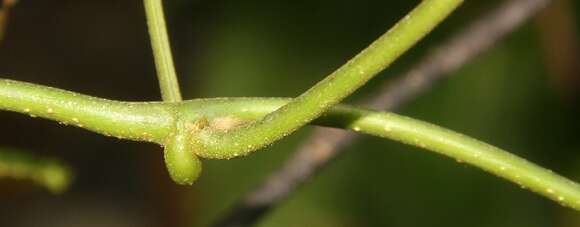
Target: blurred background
522	95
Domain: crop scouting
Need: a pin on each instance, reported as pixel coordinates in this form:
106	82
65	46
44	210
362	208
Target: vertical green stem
162	51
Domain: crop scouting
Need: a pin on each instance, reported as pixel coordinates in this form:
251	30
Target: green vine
225	128
153	122
331	90
240	141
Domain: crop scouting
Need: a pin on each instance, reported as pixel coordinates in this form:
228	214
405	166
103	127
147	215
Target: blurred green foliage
49	173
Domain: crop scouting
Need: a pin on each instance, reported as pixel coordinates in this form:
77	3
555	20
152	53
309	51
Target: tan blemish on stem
226	123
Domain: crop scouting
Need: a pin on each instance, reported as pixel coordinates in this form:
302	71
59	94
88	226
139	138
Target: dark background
510	97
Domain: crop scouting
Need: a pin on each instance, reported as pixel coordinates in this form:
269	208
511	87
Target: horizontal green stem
128	120
424	135
205	117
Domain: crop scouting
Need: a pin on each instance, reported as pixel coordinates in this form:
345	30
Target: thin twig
325	144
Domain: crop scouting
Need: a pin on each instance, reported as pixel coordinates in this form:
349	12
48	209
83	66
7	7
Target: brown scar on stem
197	125
226	123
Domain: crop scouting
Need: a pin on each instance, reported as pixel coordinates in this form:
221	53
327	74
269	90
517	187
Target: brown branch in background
325	144
558	35
5	7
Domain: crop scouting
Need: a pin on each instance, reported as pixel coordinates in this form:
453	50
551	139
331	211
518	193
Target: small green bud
183	165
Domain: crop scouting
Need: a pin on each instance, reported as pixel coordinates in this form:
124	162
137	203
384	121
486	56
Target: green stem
183	165
303	109
162	51
135	121
156	120
420	134
333	88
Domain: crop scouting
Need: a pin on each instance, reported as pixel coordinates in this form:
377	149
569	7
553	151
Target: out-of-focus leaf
48	172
